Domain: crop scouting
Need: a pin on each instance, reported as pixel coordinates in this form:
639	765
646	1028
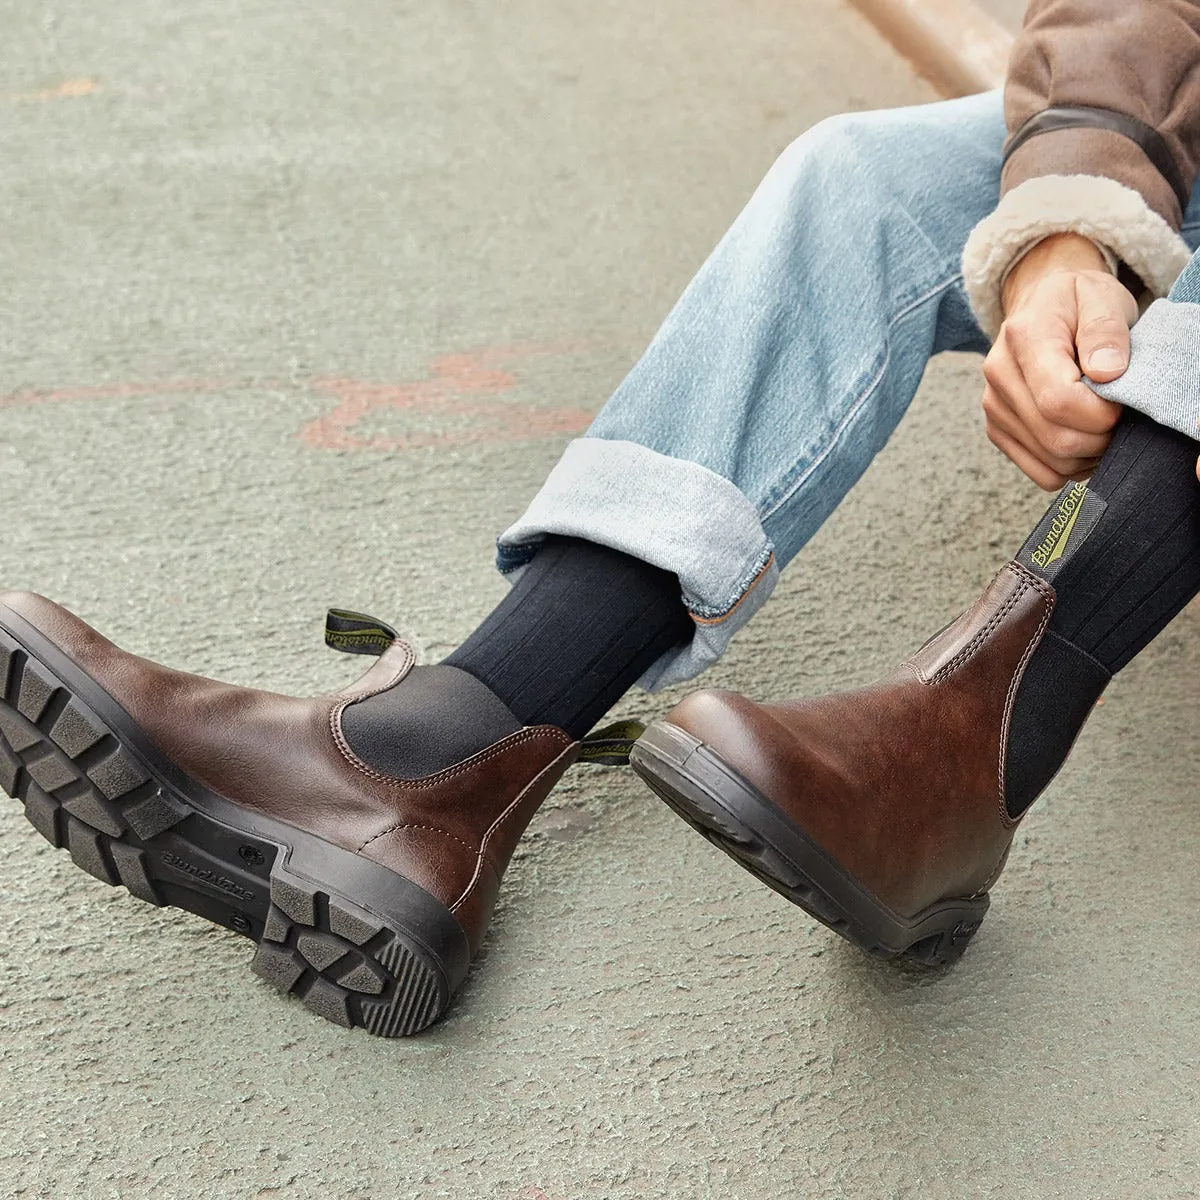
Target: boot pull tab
610	746
357	633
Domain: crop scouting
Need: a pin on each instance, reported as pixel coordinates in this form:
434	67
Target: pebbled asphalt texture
298	304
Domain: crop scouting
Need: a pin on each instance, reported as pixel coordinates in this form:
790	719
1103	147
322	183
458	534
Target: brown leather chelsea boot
367	893
880	812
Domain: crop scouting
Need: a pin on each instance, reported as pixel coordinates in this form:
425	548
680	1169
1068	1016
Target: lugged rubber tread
320	951
75	731
10	764
364	978
52	771
328	1000
277	966
83	844
42	813
8	654
154	815
350	927
414	1003
84	789
96	753
34	692
19	733
131	867
300	905
117	774
411	994
277	927
90	809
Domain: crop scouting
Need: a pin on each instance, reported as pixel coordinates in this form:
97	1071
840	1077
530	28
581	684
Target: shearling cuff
1111	214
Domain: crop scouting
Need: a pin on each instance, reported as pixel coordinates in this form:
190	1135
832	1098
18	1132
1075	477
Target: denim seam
707	615
856	407
518	566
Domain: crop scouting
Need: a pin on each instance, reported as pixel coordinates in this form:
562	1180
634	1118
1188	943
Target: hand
1063	311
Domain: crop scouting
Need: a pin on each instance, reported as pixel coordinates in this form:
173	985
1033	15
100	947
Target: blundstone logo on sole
229	886
1062	530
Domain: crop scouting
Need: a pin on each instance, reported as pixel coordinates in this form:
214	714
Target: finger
1002	421
1005	430
1045	357
1061	398
1063	449
1009	401
1045	478
1106	311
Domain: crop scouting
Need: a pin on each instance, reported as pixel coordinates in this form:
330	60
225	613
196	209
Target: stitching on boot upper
968	651
342	700
406	665
481	859
994	874
972	647
1048	596
410	825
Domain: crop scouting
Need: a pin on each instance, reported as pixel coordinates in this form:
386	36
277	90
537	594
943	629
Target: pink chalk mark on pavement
467	388
113	391
460	386
69	89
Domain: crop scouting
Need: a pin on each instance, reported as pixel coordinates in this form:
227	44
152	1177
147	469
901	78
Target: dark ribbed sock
1123	555
574	633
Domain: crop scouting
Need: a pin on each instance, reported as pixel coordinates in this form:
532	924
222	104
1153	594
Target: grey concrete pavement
298	305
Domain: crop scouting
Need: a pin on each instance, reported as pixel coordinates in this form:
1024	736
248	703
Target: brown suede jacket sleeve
1078	67
1137	57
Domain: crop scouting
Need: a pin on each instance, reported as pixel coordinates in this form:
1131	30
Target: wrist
1059	252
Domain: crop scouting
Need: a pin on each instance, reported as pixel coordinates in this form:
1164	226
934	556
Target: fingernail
1106	359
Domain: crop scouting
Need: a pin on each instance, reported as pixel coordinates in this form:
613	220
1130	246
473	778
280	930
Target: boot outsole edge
727	810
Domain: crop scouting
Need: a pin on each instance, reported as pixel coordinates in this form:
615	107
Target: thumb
1106	310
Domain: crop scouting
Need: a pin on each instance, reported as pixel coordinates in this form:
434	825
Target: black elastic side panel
1058	690
434	718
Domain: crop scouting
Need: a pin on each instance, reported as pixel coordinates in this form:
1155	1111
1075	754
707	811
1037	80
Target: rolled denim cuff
1163	377
669	512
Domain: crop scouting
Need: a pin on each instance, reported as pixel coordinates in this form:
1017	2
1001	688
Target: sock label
1060	533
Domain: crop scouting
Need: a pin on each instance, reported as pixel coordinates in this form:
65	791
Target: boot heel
946	948
346	964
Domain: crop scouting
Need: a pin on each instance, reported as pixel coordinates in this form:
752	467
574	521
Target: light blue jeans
1163	379
787	363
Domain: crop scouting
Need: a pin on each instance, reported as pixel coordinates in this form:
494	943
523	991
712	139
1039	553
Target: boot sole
732	814
359	944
